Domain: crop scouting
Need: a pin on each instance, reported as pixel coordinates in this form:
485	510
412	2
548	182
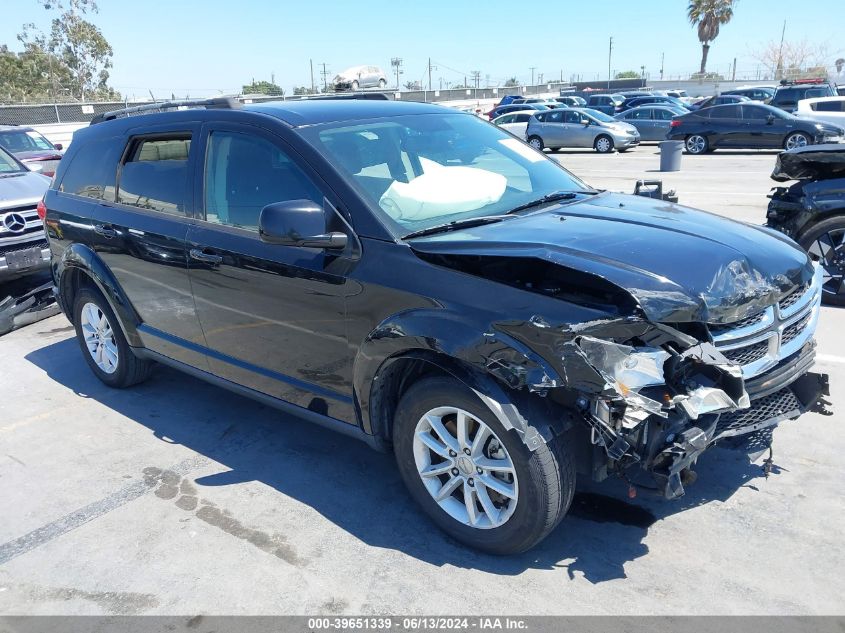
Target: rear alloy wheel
825	242
476	480
536	142
603	144
697	144
797	139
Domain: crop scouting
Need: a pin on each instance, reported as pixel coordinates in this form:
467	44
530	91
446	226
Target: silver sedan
652	121
580	127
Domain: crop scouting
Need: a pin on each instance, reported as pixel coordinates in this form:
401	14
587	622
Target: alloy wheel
536	143
829	250
796	140
696	144
465	467
99	338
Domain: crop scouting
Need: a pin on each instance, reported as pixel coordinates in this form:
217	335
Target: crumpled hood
679	264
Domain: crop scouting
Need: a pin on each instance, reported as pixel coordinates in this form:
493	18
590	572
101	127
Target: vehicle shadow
350	484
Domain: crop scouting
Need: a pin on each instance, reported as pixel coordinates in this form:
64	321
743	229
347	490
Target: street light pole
609	53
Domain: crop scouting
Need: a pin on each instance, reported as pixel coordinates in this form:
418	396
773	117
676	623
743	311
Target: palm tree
709	15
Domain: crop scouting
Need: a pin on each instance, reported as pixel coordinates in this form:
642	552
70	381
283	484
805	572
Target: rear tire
541	482
536	142
102	342
823	241
696	144
603	144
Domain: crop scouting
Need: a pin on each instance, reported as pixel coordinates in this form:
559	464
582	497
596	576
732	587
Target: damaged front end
656	395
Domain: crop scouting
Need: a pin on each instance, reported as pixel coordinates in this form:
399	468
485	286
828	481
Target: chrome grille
792	298
759	342
794	330
747	354
747	321
764	412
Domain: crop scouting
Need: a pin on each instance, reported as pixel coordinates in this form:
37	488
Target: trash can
670	155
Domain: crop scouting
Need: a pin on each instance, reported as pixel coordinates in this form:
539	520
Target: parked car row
31	147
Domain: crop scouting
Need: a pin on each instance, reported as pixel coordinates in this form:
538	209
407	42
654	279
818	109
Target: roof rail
224	103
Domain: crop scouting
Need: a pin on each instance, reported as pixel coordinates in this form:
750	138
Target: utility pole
429	73
533	68
313	87
396	62
642	74
662	59
540	78
325	74
779	68
609	54
733	74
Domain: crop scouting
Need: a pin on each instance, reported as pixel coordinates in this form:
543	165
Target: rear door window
725	112
154	175
829	106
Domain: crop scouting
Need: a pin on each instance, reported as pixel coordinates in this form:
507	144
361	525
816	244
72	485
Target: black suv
417	278
789	93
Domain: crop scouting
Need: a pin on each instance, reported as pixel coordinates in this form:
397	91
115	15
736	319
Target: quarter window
92	171
155	175
244	173
725	112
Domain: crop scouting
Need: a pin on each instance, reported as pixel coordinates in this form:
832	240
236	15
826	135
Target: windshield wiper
550	197
457	224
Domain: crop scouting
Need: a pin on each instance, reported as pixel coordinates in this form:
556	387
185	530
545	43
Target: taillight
674	123
42	210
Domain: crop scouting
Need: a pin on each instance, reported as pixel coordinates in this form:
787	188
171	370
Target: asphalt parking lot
176	497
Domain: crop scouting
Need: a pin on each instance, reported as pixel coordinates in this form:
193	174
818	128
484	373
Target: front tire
536	142
603	144
797	139
102	342
824	243
697	144
477	481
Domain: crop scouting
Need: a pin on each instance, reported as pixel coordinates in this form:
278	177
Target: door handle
202	256
106	230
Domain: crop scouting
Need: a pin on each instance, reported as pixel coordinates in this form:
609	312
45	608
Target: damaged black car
812	210
423	281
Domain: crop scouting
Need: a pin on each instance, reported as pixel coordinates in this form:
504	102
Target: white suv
827	109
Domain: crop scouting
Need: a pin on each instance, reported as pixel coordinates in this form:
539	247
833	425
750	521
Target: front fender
78	257
498	368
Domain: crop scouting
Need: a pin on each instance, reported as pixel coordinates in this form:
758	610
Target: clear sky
205	47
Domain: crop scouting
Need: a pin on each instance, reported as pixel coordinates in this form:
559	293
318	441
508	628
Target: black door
761	129
140	234
726	122
273	316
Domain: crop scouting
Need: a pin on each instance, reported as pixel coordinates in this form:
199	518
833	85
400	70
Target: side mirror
58	146
770	119
585	122
298	223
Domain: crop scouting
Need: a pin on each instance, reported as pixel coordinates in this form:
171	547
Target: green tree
303	90
627	74
75	51
510	83
263	88
708	16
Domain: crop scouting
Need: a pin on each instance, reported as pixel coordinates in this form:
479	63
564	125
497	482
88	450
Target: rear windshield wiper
457	224
551	197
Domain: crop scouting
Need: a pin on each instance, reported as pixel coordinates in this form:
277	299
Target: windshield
599	116
9	165
24	141
420	171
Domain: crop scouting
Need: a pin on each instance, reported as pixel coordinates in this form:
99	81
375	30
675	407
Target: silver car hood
23	188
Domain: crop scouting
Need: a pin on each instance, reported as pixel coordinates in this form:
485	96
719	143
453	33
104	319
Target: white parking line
830	358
